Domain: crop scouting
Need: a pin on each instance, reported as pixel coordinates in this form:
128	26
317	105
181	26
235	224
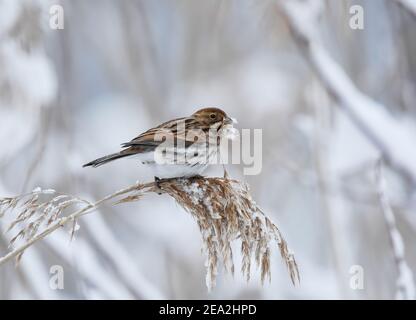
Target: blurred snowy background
119	67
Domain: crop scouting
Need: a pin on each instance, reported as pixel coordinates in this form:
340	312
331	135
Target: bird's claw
158	186
198	176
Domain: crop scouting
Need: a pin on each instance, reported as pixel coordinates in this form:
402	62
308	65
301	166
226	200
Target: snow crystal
37	190
229	132
48	191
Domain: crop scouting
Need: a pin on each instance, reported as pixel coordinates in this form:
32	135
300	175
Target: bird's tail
103	160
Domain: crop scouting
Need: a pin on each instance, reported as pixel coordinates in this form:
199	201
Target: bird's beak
229	120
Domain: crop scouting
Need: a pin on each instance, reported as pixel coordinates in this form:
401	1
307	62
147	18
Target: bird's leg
226	176
158	187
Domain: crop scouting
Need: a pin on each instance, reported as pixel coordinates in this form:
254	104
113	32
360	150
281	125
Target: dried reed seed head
35	209
223	209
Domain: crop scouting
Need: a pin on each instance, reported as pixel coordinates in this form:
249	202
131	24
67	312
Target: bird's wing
175	129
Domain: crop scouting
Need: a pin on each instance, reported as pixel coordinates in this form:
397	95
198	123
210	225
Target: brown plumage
203	119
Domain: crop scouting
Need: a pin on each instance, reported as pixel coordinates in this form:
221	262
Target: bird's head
212	116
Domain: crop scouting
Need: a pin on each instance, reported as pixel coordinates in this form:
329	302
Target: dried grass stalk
35	211
222	208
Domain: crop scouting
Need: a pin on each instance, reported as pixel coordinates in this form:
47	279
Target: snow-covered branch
405	282
222	207
388	134
409	5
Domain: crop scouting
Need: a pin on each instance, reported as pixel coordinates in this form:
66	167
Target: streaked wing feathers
153	137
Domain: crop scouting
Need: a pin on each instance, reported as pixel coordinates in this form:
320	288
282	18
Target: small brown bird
182	147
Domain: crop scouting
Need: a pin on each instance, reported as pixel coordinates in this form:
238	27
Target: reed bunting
182	147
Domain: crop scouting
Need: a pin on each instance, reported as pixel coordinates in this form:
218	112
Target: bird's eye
212	116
